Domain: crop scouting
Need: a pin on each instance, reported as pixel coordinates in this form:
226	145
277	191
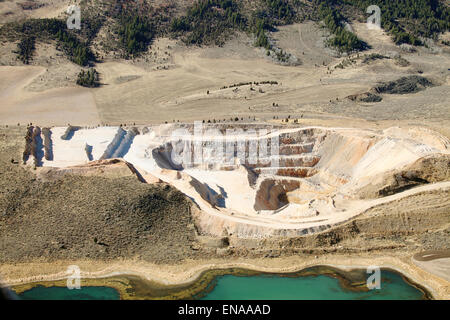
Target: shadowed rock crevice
48	144
69	133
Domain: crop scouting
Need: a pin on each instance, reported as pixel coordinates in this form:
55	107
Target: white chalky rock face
290	182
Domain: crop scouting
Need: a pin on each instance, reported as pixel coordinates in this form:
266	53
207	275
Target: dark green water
257	287
60	293
267	287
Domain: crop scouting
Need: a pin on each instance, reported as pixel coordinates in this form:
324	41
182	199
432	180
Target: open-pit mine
171	140
262	181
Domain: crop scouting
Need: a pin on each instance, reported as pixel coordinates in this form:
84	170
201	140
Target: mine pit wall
33	146
68	134
303	136
271	193
287	161
331	161
121	143
163	157
88	150
48	144
299	154
112	147
337	152
430	169
379	228
288	150
135	171
340	153
288	172
329	154
125	144
206	193
329	150
36	147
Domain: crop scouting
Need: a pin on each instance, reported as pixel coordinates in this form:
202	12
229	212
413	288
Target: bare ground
171	82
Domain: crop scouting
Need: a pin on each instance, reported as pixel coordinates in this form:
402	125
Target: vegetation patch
401	62
131	25
213	21
365	97
33	30
25	49
209	22
135	34
373	57
341	39
408	20
404	85
89	78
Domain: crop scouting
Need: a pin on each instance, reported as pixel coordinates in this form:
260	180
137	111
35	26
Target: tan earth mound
110	168
429	169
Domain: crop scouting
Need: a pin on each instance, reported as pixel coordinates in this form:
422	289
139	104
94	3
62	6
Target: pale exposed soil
13	11
171	82
19	105
436	262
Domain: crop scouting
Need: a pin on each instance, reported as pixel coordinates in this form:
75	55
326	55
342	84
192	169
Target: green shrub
25	49
32	30
407	20
209	21
342	39
135	34
89	78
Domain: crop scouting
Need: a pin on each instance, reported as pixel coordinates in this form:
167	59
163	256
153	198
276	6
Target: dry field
173	82
11	10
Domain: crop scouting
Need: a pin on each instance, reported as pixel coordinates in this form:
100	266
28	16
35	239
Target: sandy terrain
305	41
436	262
171	82
19	105
13	11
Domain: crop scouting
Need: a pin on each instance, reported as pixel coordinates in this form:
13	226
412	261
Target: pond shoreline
183	275
131	287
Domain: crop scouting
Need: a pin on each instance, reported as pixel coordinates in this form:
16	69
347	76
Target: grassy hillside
87	217
407	20
29	31
131	26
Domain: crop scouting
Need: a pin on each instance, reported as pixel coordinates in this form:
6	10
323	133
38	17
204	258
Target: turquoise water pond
62	293
260	287
321	287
